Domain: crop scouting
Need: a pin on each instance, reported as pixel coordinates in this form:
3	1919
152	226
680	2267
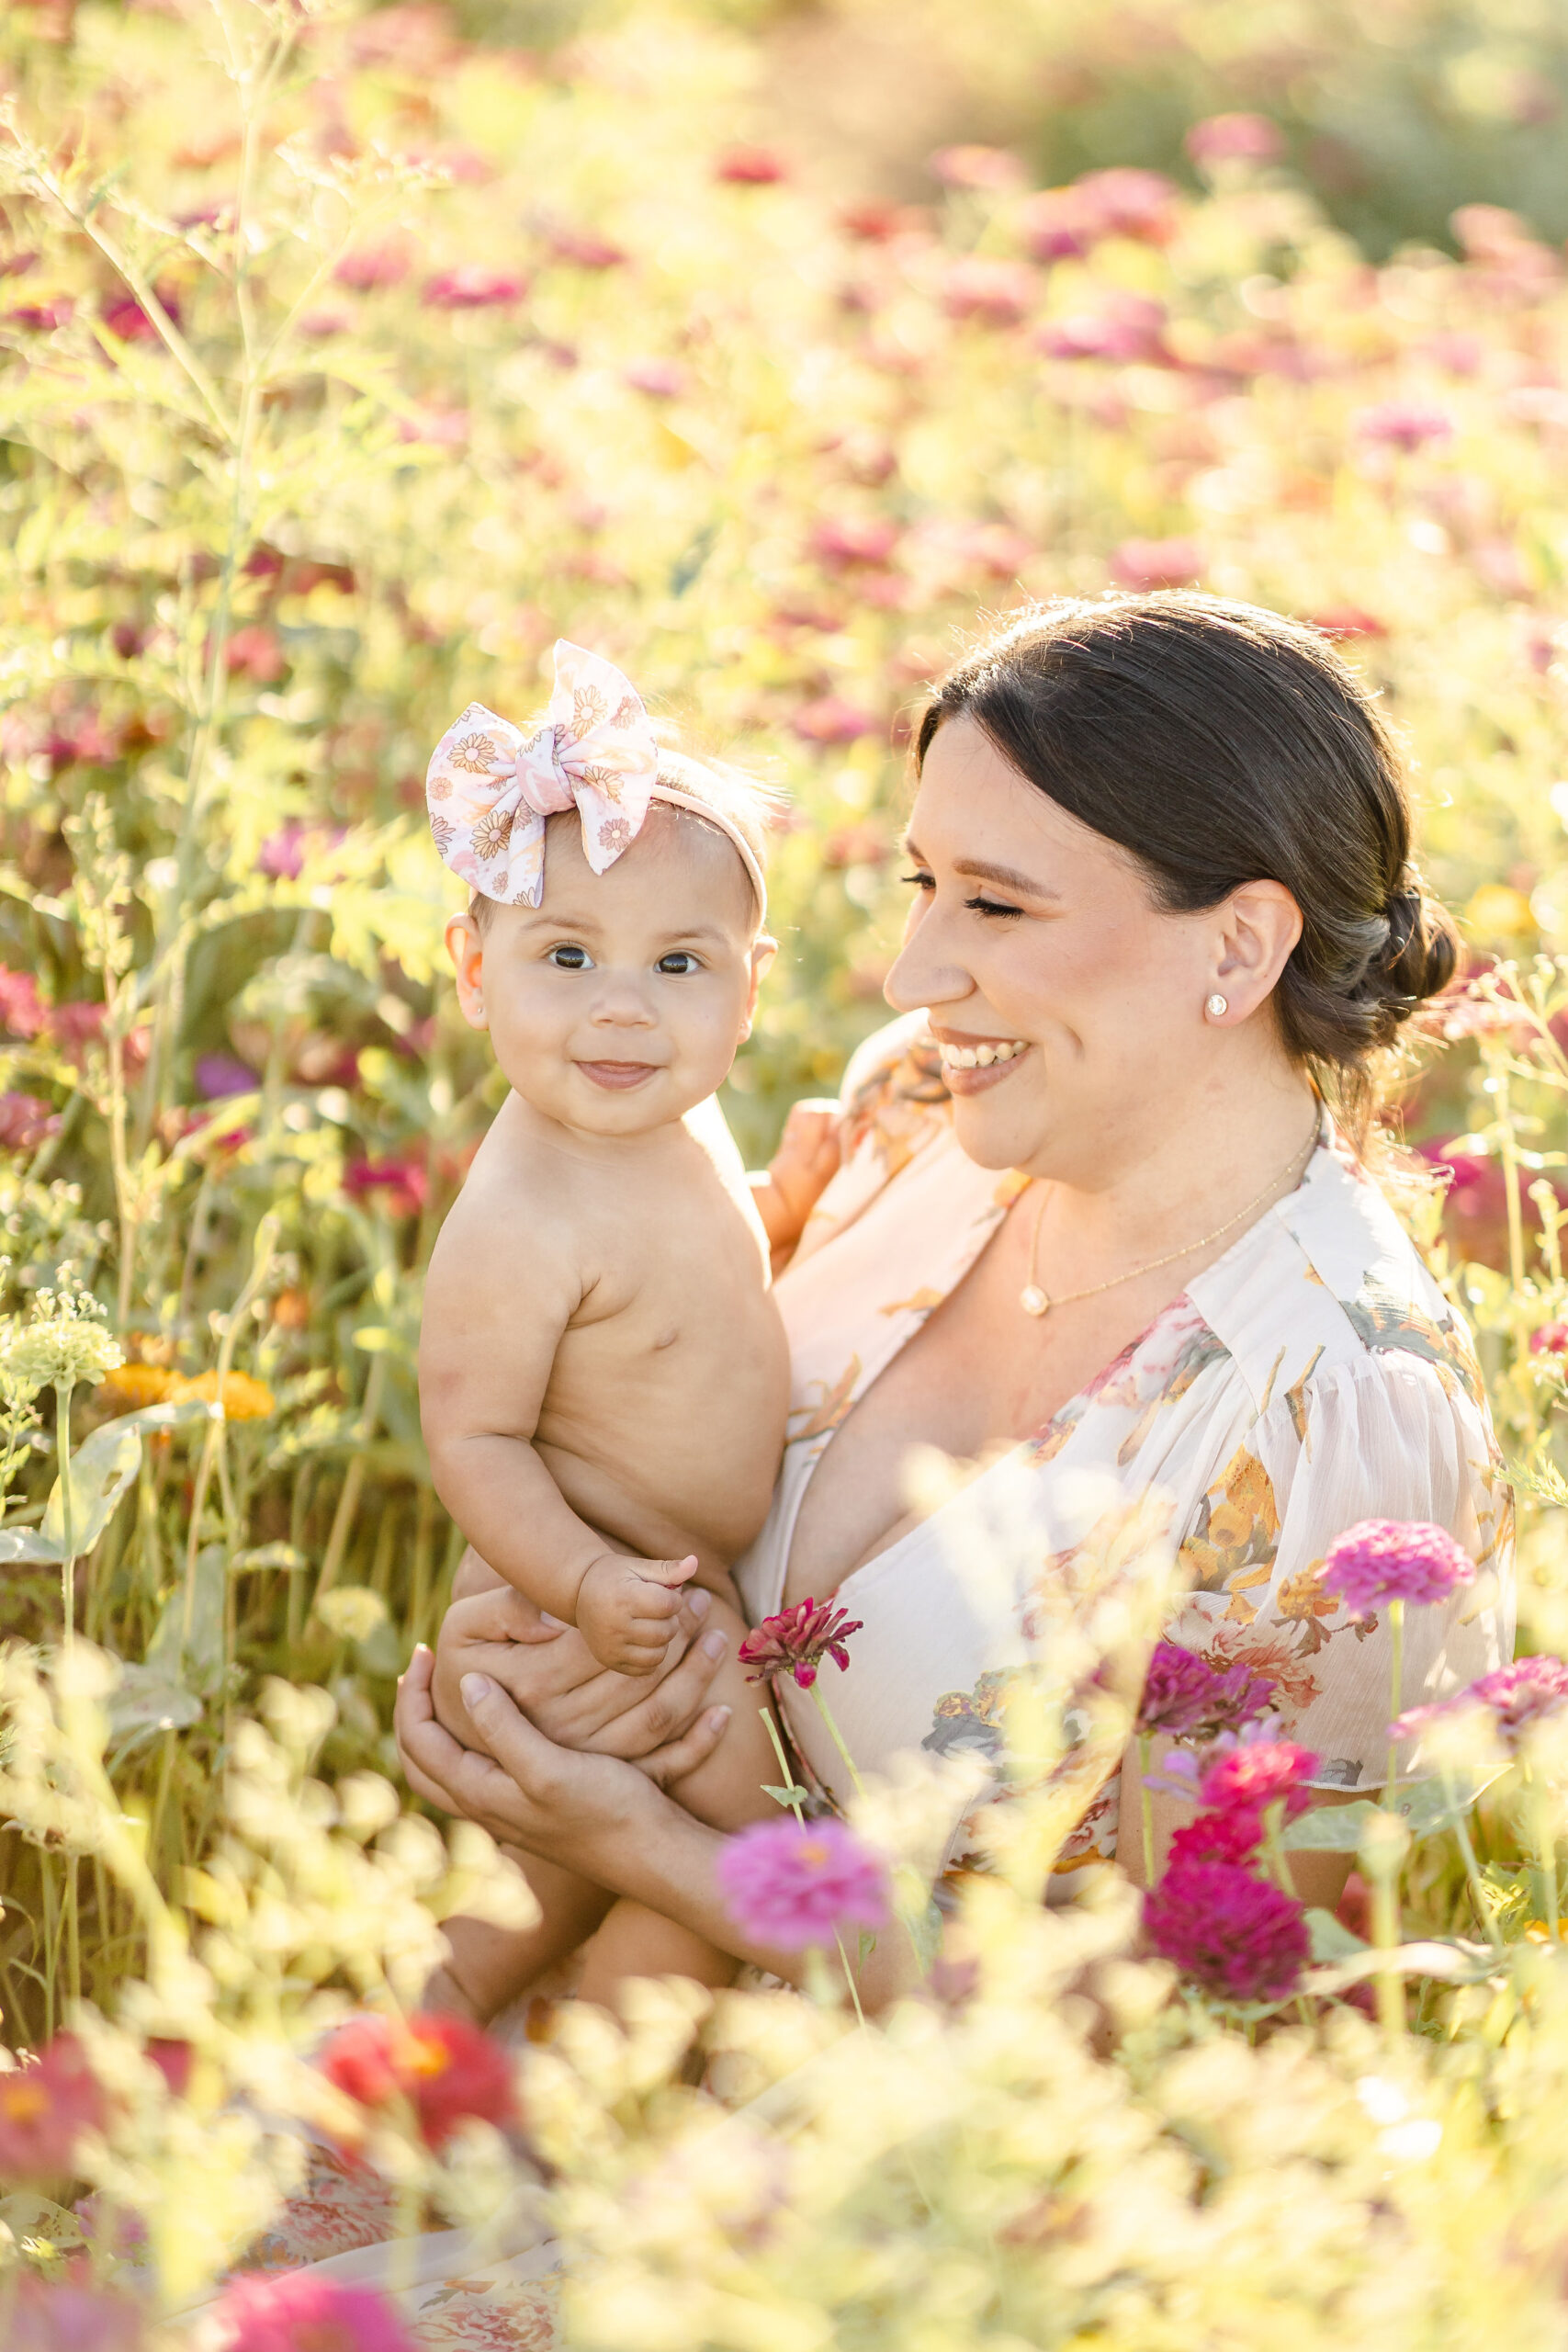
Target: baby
603	1377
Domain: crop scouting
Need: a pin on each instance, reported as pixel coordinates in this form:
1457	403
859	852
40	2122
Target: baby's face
618	1003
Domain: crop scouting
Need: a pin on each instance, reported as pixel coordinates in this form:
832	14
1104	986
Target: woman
1092	1215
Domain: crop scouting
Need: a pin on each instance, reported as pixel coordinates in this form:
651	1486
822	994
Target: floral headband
490	786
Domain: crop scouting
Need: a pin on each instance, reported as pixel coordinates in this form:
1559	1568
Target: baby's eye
569	958
679	961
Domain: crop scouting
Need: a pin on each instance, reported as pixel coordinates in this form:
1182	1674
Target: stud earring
1216	1006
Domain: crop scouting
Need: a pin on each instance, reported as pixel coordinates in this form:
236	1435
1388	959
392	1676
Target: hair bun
1422	953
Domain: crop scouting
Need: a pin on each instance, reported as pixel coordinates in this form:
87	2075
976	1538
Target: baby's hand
799	1171
626	1609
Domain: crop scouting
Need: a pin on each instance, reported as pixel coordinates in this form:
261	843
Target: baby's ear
764	950
465	945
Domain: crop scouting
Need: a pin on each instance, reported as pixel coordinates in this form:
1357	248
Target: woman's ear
762	953
466	946
1259	926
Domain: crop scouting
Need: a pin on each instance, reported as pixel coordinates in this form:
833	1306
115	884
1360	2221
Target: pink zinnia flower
1230	1836
1403	424
831	720
845	540
1394	1559
797	1640
1128	326
60	2316
444	2067
661	379
25	1121
403	1184
1258	1775
1550	1339
1187	1698
1235	138
997	293
1132	202
44	2110
302	2312
125	317
1517	1697
1234	1935
1157	564
370	265
1058	224
976	167
21	1009
798	1883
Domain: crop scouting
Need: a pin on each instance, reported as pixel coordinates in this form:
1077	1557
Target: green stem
1545	1837
1396	1695
837	1737
786	1773
67	1512
1471	1867
1385	1936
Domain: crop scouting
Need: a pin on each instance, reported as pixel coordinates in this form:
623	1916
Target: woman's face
1068	1008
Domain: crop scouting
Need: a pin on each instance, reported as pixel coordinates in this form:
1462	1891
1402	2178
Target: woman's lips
619	1077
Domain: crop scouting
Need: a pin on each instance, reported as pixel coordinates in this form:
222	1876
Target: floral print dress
1312	1376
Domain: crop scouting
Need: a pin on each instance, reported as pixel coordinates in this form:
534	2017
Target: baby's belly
664	1483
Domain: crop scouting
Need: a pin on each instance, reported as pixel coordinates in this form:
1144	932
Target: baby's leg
490	1966
727	1792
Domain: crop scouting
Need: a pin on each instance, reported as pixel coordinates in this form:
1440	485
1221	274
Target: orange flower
243	1399
138	1384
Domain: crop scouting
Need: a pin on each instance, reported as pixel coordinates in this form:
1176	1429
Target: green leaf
144	1699
1329	1828
101	1469
193	1656
1331	1938
25	1547
786	1797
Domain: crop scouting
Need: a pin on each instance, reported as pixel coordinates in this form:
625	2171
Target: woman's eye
919	881
567	958
679	961
993	906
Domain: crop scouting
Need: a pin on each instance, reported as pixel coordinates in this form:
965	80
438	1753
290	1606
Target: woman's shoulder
1330	1285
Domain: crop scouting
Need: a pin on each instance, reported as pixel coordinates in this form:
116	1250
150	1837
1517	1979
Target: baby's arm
801	1169
490	1330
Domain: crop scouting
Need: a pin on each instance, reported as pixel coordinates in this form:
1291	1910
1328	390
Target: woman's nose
923	974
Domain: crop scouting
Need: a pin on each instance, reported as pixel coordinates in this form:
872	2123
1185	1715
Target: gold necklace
1035	1301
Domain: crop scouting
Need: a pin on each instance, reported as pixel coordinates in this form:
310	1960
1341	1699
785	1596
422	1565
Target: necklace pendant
1032	1299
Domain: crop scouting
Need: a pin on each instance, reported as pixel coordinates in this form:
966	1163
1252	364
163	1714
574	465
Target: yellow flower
244	1399
139	1384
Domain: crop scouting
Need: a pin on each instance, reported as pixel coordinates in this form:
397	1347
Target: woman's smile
971	1065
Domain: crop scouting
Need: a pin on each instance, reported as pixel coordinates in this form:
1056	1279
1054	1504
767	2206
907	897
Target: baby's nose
624	1004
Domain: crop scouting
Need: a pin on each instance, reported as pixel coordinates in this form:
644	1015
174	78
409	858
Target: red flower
45	2108
471	287
20	1007
256	652
844	541
1551	1339
1258	1774
586	250
797	1640
1347	620
369	265
749	167
1131	203
403	1182
1059	225
444	2067
1232	1835
25	1121
40	317
124	317
1231	1933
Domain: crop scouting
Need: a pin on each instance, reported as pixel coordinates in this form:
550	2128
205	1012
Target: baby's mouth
617	1077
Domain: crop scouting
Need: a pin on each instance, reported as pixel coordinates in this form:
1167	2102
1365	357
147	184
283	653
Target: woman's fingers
668	1710
426	1748
672	1763
500	1613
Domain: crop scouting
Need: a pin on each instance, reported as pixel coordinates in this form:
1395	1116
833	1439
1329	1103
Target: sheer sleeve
1390	1436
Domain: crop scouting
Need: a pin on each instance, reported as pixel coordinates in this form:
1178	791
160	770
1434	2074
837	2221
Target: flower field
347	361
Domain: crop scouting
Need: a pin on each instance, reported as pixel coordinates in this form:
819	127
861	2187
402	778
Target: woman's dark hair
1220	744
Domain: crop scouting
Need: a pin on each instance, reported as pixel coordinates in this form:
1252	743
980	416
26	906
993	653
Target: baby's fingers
673	1572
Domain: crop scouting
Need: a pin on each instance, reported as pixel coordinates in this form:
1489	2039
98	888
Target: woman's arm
610	1820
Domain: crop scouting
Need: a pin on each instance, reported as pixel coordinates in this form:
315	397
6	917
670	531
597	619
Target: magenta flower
1058	224
471	287
60	2316
796	1884
661	379
749	167
1394	1559
797	1640
25	1121
992	292
1128	326
843	541
1144	564
299	2311
1258	1775
1233	1934
1230	1836
44	2110
1551	1339
1517	1697
21	1009
1131	202
369	265
1403	424
220	1075
1187	1698
831	720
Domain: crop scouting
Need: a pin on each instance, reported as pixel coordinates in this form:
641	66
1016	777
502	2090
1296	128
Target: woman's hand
555	1679
552	1801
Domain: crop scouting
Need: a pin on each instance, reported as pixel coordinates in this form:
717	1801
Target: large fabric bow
490	786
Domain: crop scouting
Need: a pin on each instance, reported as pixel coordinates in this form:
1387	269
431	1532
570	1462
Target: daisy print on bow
490	785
